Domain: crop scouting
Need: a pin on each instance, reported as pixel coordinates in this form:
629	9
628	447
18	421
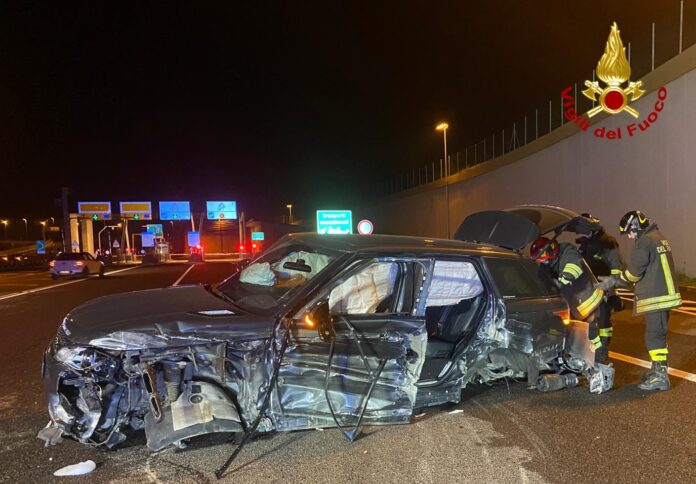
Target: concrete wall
654	171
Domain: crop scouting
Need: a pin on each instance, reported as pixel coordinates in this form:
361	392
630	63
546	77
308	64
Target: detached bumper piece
202	408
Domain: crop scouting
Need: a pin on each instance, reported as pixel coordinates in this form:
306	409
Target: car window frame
359	264
480	268
497	290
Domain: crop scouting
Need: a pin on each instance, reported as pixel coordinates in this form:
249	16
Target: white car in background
71	264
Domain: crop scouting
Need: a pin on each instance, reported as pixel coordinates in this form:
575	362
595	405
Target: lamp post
289	207
43	230
4	226
26	227
443	127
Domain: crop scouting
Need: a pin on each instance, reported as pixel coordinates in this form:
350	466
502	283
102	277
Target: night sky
269	103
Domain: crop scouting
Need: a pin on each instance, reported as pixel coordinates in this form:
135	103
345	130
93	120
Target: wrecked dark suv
318	331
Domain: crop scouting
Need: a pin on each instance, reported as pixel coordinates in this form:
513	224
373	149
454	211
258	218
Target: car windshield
71	256
271	279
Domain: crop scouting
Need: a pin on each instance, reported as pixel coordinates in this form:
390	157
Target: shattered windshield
262	286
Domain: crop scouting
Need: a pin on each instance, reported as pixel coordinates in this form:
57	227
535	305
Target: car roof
394	243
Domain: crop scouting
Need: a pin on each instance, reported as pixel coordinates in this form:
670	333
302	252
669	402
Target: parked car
72	264
318	331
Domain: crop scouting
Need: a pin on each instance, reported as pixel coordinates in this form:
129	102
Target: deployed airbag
362	292
453	281
259	274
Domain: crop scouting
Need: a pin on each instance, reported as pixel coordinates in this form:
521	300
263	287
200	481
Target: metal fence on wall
662	40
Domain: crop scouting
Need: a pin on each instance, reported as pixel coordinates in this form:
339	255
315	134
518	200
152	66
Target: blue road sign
334	222
148	239
257	236
221	210
174	211
155	229
41	247
194	239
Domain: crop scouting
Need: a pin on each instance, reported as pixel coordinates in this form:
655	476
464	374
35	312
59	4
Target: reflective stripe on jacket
652	271
578	281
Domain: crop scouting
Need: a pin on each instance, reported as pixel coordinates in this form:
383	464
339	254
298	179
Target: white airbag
362	293
453	281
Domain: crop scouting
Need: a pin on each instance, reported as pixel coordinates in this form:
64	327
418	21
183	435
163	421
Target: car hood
160	318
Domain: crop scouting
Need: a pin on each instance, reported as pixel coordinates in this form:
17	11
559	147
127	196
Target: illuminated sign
257	236
365	227
194	239
334	222
155	229
221	210
174	210
136	210
148	239
95	210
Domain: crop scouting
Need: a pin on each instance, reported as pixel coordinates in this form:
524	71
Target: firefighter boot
602	354
648	374
659	380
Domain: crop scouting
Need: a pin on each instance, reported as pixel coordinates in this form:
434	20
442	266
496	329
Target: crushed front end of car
172	388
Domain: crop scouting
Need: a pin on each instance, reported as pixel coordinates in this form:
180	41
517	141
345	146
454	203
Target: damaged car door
356	350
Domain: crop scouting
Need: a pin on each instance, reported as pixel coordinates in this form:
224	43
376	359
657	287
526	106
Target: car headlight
76	357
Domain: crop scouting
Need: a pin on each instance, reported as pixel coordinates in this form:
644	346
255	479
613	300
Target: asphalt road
502	433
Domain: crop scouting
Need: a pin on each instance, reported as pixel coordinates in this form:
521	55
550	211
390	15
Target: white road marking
44	288
184	275
646	364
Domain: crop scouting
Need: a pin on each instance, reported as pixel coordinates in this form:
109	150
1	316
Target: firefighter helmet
544	249
633	221
590	217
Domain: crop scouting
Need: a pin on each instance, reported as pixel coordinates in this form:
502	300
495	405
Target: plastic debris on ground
459	410
78	469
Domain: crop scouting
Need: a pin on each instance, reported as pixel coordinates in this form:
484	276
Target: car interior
455	303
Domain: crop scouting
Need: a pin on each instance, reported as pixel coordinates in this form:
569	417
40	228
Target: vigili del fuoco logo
614	71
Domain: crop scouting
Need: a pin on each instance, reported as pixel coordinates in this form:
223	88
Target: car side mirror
319	318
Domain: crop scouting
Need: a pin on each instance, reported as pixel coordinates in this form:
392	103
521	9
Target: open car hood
515	227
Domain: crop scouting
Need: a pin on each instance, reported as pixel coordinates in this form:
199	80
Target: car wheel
54	276
85	272
101	271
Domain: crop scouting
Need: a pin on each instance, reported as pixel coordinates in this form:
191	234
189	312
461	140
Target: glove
606	283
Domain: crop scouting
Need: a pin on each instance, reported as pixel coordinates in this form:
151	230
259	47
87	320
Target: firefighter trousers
606	330
656	334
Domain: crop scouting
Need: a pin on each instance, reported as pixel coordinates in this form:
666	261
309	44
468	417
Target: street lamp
443	127
289	207
43	230
26	227
4	226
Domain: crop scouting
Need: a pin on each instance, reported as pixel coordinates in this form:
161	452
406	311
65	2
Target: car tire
85	272
54	276
101	271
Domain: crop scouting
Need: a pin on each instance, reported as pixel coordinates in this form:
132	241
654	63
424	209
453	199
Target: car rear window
71	256
520	278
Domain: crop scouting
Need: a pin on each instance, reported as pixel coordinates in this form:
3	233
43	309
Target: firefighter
651	269
601	252
577	283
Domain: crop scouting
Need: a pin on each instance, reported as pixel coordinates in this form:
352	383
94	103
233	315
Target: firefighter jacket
651	269
601	252
577	281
